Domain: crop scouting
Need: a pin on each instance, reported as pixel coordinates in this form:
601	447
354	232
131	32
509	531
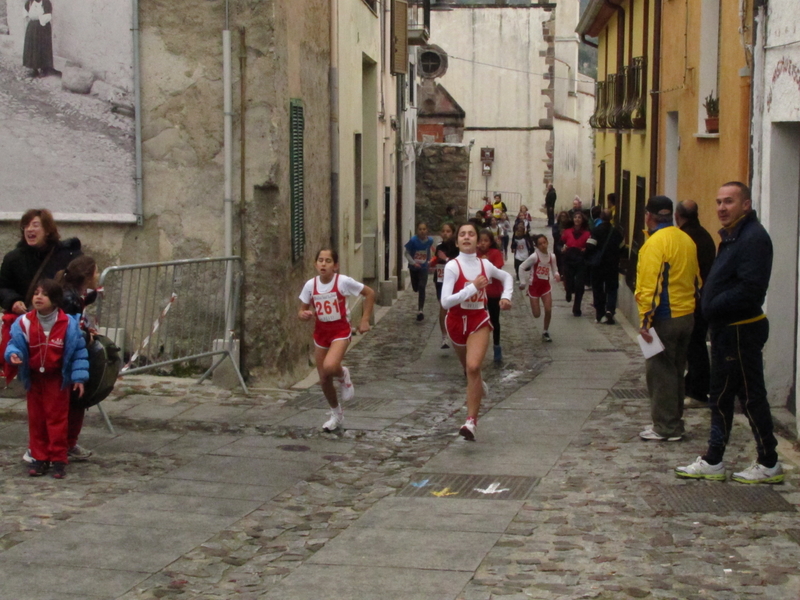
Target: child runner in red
542	265
326	294
50	351
487	248
464	296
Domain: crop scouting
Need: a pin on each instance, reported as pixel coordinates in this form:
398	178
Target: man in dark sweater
698	373
732	301
550	204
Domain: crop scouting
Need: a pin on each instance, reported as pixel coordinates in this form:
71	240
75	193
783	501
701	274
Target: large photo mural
67	134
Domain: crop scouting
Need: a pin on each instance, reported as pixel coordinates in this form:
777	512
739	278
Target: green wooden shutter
297	177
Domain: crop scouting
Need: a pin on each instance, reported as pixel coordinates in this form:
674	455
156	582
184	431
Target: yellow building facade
660	65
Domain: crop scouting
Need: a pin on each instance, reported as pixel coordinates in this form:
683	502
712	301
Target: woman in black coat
40	244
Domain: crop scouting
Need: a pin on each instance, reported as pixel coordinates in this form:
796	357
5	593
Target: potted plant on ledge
712	113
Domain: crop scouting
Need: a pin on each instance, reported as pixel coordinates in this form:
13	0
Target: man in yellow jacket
667	284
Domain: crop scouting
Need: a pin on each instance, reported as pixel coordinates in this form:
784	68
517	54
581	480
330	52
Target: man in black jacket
698	373
550	204
732	299
603	250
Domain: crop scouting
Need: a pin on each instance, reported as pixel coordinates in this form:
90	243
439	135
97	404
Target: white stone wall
93	34
776	183
492	97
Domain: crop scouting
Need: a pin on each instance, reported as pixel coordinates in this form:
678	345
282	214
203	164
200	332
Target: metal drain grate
719	498
632	393
604	350
363	404
470	487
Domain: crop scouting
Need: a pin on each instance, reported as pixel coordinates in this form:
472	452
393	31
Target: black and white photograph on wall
67	128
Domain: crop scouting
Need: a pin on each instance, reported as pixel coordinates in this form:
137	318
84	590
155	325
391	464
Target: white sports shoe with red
468	429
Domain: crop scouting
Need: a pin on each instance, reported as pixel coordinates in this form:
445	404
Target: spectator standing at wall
611	206
603	250
550	204
733	298
667	281
698	370
37	53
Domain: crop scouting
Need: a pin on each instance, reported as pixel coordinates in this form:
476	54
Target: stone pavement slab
312	582
27	581
415	549
440	514
205	489
103	546
248	471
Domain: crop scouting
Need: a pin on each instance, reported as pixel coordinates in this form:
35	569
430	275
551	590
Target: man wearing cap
667	281
733	299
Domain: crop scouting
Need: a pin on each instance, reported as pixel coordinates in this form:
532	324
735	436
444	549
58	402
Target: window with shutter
297	178
399	55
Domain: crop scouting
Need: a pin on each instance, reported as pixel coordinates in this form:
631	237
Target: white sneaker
78	453
649	434
758	473
468	429
346	390
444	343
700	469
27	457
336	420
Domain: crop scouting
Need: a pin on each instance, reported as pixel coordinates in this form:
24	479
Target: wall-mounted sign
487	169
487	155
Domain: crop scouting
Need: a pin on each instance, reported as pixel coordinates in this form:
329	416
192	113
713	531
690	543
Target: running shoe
346	391
444	345
649	434
498	354
610	319
467	430
78	453
59	470
336	420
700	469
758	473
27	456
546	337
420	316
38	468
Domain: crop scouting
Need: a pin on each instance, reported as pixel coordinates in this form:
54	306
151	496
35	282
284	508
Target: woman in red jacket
488	249
574	252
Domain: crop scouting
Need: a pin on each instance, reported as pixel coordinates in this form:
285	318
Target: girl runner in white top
323	300
463	295
542	266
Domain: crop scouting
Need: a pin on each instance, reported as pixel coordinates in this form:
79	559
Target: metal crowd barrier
182	311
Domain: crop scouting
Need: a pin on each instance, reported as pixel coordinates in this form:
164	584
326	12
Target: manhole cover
719	498
633	393
363	404
470	487
604	350
294	448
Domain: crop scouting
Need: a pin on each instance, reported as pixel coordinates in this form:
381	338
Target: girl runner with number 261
323	299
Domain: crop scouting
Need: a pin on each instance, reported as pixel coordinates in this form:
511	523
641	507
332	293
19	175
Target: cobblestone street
53	140
204	493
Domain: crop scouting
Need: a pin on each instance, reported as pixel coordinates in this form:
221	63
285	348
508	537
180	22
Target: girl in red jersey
326	294
464	296
488	249
542	266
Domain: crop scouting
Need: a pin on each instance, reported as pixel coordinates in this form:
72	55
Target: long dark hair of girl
492	240
78	272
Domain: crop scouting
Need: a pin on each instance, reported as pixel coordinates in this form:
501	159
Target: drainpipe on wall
400	81
228	151
655	117
137	109
334	132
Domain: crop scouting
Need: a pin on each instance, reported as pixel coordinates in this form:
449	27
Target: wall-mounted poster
67	131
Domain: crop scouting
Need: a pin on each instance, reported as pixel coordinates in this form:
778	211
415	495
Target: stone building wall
442	180
288	53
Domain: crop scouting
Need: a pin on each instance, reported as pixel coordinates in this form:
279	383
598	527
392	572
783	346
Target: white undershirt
471	267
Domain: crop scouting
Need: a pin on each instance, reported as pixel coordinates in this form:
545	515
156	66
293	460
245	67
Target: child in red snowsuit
49	349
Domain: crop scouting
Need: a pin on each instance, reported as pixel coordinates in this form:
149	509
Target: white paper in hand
650	349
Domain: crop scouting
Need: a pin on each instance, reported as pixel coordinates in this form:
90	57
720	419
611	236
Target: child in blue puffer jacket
50	351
